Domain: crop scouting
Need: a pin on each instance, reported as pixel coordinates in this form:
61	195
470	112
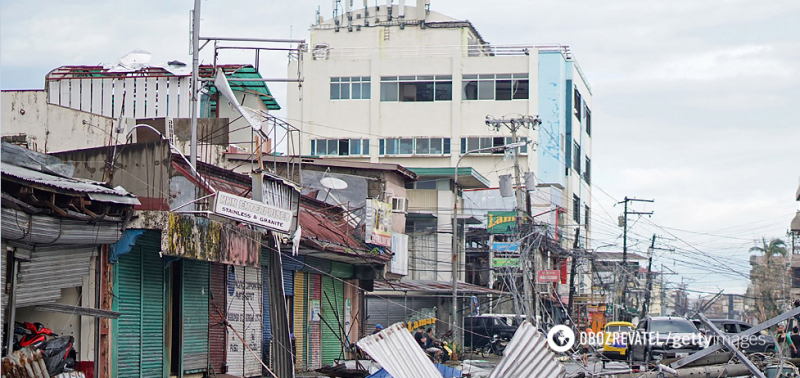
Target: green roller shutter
341	270
195	316
139	329
332	311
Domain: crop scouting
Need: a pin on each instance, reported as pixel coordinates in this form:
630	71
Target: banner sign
423	318
501	222
505	247
399	263
253	212
544	276
505	262
378	223
204	239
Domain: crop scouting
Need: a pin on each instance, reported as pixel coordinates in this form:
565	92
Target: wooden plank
97	96
139	102
86	95
184	100
64	91
119	91
53	92
150	98
108	96
172	97
161	97
75	94
130	95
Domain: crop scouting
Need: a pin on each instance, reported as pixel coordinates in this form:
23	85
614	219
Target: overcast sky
693	100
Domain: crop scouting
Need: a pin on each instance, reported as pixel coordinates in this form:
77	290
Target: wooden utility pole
625	248
649	286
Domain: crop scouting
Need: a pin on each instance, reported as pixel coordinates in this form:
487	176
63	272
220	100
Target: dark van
478	330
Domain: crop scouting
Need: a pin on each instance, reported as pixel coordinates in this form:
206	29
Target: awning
425	287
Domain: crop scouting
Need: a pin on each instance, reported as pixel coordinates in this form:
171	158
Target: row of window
429	88
576	164
586	115
410	146
476	143
415	146
340	147
350	88
576	211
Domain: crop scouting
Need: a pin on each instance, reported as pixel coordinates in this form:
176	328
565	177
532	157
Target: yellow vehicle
615	345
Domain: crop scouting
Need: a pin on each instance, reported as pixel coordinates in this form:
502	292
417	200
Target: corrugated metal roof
467	177
206	71
329	231
396	351
434	287
49	182
527	355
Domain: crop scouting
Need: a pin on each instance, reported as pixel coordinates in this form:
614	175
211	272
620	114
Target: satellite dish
333	183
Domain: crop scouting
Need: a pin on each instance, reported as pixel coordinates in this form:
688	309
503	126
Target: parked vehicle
759	343
615	341
58	353
479	330
496	346
656	338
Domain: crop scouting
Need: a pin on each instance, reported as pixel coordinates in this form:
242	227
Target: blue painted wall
552	111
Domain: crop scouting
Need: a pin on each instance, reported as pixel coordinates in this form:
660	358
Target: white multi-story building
408	85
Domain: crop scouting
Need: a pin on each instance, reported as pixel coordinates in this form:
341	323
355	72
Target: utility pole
625	246
572	275
195	77
649	287
513	125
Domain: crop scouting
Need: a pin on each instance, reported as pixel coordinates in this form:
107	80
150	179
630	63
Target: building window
576	158
586	216
340	147
350	88
576	209
475	143
588	115
500	87
577	104
587	171
415	146
417	88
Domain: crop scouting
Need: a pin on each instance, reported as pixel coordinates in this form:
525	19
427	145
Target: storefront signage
315	311
505	262
253	212
505	247
501	222
378	223
422	318
399	263
204	239
544	276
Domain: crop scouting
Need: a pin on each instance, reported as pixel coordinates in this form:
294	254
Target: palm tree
769	277
773	248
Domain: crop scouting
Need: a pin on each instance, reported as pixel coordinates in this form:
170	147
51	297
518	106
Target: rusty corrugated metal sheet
527	355
432	287
397	352
46	181
328	231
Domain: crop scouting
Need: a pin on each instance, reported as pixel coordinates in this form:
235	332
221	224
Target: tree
769	278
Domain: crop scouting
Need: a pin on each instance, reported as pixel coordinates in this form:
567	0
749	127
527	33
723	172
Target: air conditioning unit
399	205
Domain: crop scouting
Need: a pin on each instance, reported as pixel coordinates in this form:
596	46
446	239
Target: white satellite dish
333	183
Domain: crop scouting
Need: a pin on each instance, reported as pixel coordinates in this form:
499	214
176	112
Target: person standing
795	338
783	343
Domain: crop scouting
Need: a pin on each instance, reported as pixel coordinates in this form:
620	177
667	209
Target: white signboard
399	263
253	212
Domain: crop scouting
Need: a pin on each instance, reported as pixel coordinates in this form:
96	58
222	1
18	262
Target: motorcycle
57	351
496	345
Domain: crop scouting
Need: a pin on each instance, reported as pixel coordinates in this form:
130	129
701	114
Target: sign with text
505	262
545	276
501	222
253	212
505	247
378	223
